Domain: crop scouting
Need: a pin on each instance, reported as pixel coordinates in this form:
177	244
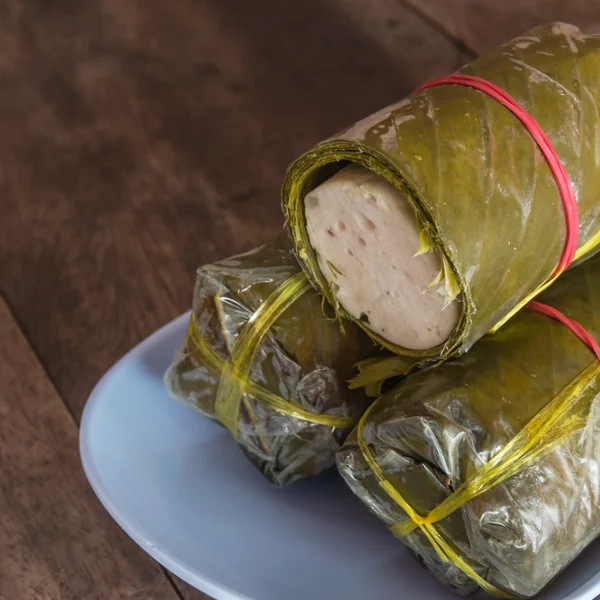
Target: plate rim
135	531
589	590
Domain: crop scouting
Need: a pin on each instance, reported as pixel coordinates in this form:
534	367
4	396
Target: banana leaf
304	360
512	429
483	195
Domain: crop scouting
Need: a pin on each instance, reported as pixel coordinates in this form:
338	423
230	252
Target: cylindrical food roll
428	222
507	437
297	408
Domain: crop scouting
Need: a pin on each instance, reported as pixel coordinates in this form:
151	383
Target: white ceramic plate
180	487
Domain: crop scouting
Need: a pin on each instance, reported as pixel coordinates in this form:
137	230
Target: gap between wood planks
440	28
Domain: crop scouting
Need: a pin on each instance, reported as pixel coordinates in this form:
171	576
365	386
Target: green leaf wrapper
437	428
482	193
304	358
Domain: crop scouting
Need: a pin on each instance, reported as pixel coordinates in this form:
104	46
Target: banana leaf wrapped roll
293	409
431	221
497	451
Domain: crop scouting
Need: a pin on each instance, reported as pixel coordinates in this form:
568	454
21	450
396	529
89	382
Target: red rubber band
537	133
574	326
563	182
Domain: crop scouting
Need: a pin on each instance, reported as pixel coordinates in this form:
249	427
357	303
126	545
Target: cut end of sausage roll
369	248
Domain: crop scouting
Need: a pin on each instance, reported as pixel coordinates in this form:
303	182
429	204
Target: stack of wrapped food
438	253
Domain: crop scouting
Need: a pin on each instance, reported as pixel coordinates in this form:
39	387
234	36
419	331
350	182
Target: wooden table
138	140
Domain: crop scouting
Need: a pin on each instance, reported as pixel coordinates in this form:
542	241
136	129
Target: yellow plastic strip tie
586	248
205	355
440	545
548	429
234	377
522	303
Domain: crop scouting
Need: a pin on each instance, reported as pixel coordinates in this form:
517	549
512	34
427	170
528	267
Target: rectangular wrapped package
450	182
261	358
488	466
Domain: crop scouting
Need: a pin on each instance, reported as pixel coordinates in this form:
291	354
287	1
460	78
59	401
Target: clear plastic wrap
291	409
497	452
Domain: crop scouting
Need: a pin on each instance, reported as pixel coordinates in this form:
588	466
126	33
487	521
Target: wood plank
188	592
56	541
482	25
141	138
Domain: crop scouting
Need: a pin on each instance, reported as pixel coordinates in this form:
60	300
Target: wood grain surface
142	138
56	540
138	140
483	24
